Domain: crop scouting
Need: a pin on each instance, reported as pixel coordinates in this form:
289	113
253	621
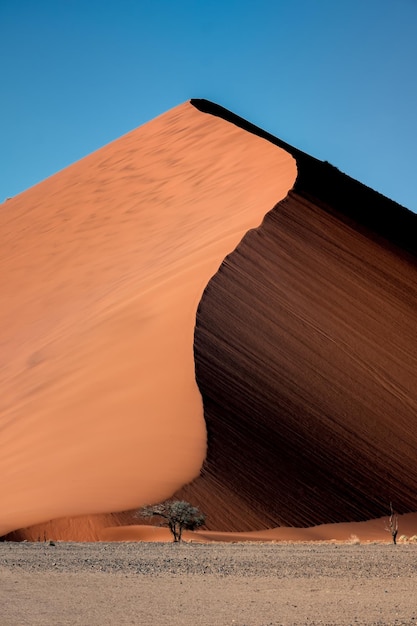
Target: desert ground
239	584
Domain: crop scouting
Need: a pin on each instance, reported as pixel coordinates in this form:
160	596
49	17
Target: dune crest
103	267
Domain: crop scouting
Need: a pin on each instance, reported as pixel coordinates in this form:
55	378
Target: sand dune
103	267
303	330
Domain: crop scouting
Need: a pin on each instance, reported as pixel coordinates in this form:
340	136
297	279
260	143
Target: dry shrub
353	540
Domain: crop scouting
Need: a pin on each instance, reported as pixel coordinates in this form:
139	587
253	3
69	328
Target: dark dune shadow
305	351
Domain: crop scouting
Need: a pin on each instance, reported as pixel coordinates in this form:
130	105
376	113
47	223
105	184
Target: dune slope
303	329
306	356
103	266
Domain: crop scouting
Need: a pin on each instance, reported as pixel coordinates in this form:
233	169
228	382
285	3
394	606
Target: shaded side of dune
305	351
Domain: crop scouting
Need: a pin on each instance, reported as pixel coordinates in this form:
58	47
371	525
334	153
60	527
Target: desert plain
193	584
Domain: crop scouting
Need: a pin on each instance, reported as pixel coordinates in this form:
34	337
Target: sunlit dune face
103	266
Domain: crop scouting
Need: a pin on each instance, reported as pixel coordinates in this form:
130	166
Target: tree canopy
178	515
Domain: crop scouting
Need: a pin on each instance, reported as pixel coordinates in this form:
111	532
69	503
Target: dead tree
393	524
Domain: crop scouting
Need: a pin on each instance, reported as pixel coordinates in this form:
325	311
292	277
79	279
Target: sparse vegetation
178	515
393	524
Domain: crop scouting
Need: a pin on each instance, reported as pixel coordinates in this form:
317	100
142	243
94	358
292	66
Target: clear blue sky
335	78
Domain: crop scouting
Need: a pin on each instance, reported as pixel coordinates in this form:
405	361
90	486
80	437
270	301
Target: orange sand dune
305	350
103	267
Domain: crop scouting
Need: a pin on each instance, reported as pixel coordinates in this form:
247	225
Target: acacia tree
178	515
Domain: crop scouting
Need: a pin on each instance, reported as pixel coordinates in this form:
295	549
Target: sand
199	291
366	531
103	267
305	354
197	585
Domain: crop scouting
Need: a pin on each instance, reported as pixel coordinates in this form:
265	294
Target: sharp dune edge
303	333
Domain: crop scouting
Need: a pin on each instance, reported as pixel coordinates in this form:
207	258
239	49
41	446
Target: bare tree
393	524
178	515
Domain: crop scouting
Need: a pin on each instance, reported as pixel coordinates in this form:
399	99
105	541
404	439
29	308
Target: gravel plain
193	584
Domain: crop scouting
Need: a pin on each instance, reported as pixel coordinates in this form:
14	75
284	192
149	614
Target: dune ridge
103	267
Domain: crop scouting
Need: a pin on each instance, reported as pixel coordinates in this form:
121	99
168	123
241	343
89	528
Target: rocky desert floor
191	584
